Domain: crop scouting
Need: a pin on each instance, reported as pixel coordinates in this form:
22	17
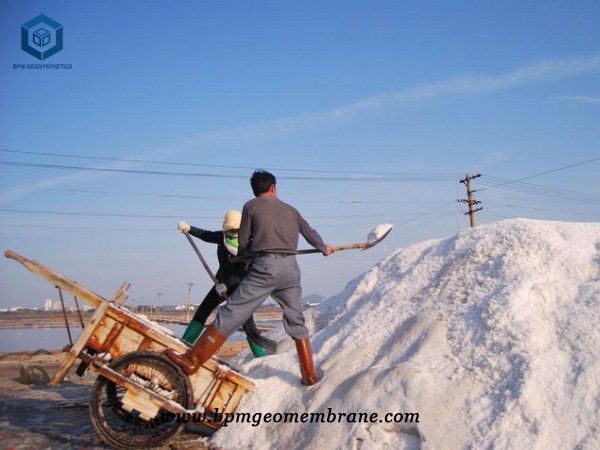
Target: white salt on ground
491	336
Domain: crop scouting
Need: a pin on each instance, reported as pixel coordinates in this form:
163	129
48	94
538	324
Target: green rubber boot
192	332
256	349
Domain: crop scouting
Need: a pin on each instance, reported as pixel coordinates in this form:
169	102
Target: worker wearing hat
229	276
269	232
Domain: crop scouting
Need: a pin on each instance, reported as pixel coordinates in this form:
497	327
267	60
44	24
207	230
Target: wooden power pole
469	200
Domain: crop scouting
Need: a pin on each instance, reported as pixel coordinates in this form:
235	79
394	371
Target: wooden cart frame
113	332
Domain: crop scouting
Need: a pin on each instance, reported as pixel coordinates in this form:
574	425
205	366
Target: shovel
203	261
376	235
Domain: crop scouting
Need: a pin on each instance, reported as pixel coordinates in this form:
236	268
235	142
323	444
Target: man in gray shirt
269	233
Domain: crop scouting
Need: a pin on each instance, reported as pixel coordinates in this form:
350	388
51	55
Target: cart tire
127	430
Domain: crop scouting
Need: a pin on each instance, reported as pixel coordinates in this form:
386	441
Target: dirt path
43	417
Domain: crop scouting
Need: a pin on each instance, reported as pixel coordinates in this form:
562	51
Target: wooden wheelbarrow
140	397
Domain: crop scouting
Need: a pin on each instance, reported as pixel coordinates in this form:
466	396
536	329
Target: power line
219	166
426	216
202	197
533	208
543	173
411	178
421	223
538	188
552	196
544	200
73	227
100	214
179	216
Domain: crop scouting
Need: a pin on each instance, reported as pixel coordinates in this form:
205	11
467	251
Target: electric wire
219	166
83	227
538	199
581	163
539	189
408	178
178	216
533	208
203	197
549	196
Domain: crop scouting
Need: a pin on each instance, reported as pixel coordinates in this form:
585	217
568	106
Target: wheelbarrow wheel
126	429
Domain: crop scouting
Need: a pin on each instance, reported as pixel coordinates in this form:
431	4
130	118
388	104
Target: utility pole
470	201
158	306
187	301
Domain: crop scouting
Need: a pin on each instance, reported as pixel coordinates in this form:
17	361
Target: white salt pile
491	336
378	232
152	324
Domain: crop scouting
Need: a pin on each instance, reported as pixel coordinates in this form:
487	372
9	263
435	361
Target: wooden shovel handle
335	249
363	245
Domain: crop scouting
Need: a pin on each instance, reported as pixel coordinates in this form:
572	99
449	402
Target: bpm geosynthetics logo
42	37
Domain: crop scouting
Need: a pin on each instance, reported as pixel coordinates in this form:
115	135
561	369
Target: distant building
182	307
57	306
48	304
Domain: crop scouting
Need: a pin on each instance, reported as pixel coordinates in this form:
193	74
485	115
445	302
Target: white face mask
231	243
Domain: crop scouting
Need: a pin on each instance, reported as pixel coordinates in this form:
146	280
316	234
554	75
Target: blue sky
330	89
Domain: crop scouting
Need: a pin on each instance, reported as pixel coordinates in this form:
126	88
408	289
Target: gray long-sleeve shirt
270	225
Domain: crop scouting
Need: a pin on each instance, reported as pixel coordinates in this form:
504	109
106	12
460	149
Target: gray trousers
275	277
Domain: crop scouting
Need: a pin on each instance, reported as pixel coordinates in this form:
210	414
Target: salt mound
491	336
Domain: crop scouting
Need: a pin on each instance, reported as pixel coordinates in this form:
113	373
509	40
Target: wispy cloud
464	85
13	193
580	98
